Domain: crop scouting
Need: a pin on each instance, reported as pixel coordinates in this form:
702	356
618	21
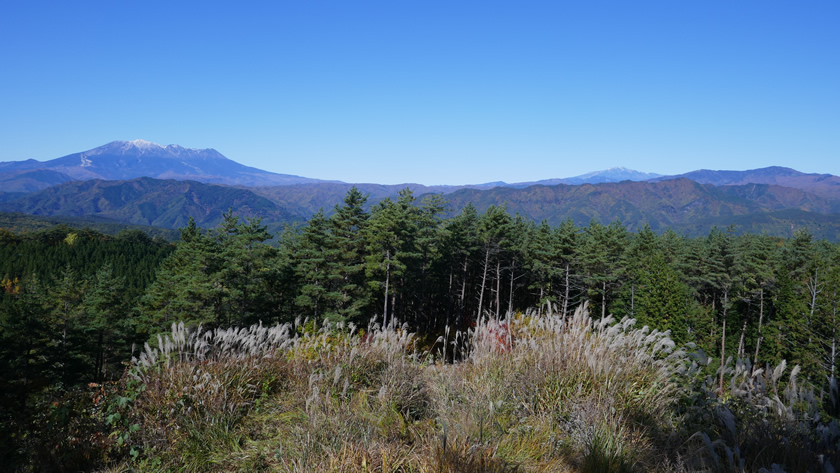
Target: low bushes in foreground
532	393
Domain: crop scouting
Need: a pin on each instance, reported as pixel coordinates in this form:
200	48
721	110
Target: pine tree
315	254
105	311
567	239
245	269
754	266
188	287
348	296
543	257
492	228
791	327
460	246
389	235
600	255
63	302
428	244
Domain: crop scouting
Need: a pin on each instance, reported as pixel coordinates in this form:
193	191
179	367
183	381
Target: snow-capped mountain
615	174
121	160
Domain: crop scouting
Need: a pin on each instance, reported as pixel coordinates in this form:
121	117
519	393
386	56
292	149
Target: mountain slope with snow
121	160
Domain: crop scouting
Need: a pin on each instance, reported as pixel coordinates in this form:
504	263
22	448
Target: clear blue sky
435	92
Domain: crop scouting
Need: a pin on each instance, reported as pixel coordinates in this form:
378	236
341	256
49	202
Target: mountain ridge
197	183
675	203
824	185
148	201
121	160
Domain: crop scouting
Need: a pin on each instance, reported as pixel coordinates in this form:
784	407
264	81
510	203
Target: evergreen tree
600	255
428	243
245	269
791	327
348	295
460	245
107	324
543	257
188	287
567	238
389	235
63	301
316	253
755	262
492	229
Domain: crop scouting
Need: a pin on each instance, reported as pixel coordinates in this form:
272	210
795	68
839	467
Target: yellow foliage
10	286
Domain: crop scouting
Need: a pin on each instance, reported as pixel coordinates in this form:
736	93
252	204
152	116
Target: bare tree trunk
393	310
387	284
741	348
723	340
603	300
510	297
498	289
814	289
463	298
449	297
760	322
483	281
566	295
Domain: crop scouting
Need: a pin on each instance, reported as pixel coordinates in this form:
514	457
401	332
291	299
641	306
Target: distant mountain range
120	160
825	185
143	183
147	201
676	203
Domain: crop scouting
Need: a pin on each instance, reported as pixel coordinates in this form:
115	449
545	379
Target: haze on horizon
430	92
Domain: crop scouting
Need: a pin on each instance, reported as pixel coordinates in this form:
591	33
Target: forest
78	305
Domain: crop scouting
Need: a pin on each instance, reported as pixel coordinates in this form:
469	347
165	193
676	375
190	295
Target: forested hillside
23	223
74	303
146	201
779	202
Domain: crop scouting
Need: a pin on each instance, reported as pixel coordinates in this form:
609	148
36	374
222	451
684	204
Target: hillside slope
121	160
146	201
824	185
661	204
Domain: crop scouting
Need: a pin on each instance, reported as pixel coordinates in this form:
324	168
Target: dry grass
535	393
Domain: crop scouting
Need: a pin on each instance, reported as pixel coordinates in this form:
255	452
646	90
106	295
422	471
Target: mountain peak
145	144
123	160
613	174
144	148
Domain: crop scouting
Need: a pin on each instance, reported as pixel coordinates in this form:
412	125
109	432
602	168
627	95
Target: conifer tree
107	324
600	255
245	268
315	254
388	236
187	287
566	238
63	302
543	258
460	245
428	242
492	229
348	295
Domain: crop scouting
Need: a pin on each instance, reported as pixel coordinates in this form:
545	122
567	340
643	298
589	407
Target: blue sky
435	92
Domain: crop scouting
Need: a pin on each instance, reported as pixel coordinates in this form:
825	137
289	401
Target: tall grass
530	393
764	420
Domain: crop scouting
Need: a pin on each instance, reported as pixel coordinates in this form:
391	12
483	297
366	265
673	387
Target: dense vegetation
16	222
74	302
